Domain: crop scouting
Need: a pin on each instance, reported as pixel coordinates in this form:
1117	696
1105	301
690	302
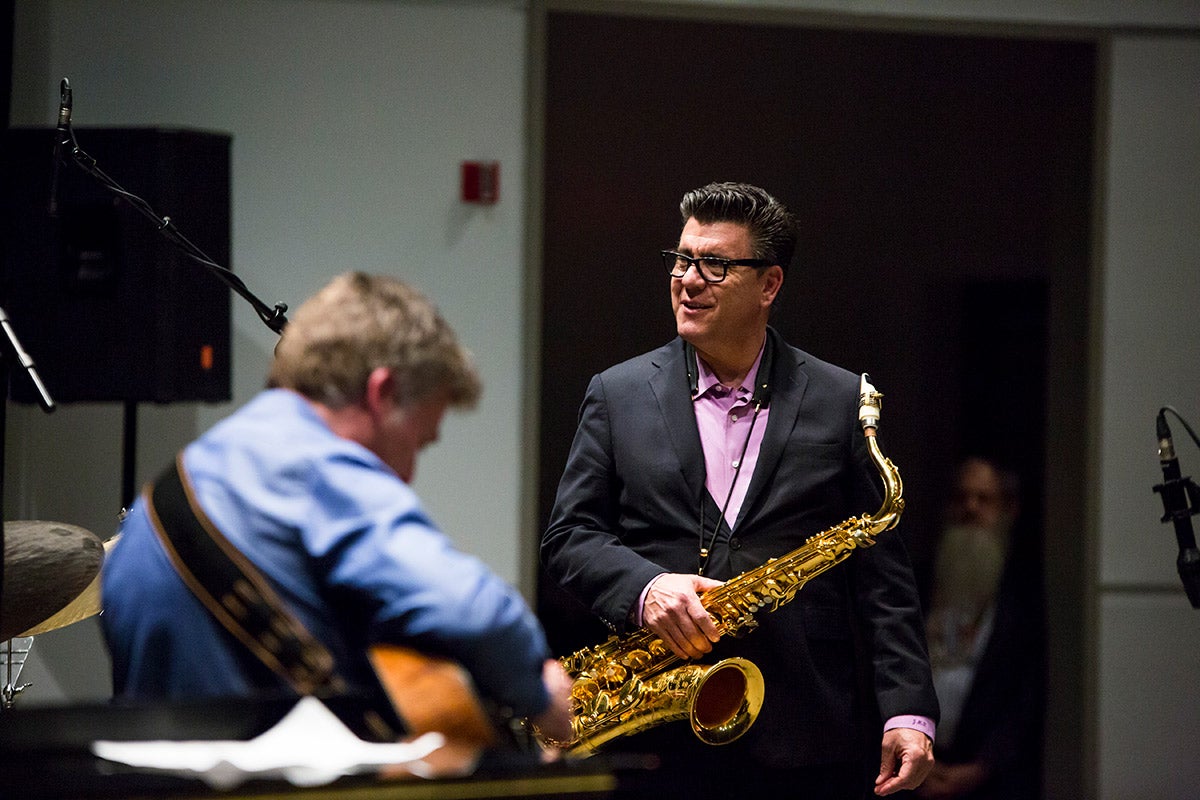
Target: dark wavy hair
773	229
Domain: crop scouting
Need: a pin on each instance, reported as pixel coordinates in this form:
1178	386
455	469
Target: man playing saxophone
701	460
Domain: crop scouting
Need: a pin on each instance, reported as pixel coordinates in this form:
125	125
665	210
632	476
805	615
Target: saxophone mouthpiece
868	404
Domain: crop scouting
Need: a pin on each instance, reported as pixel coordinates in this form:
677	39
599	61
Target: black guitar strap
241	599
233	589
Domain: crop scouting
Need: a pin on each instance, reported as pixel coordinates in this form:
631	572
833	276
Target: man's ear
380	394
772	284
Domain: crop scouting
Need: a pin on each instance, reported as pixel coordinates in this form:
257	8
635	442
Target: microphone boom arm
274	317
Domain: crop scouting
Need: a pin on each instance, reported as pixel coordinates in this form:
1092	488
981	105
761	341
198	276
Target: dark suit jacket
629	507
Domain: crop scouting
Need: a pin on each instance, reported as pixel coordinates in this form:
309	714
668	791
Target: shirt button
735	464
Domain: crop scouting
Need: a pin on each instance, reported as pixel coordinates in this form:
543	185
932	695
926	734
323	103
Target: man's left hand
906	759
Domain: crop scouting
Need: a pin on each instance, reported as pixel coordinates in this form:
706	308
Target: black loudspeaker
108	308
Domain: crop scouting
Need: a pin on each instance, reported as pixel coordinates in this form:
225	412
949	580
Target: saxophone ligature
633	682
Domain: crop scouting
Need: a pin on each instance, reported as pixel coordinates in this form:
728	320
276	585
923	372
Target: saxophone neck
870	403
870	406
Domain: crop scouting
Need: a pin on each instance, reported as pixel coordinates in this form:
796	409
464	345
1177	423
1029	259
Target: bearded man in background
987	644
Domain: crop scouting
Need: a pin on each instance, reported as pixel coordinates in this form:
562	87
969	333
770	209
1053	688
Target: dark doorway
943	184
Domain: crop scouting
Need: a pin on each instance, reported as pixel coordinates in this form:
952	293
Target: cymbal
46	566
87	604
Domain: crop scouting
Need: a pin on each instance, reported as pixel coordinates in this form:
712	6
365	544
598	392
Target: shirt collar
707	379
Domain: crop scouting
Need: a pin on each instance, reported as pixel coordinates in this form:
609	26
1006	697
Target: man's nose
692	277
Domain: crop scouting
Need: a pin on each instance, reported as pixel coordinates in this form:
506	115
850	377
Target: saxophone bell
726	701
720	702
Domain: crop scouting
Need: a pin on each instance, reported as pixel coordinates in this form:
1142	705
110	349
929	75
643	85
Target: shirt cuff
923	724
635	614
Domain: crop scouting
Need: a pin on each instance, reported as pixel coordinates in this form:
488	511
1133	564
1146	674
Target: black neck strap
759	400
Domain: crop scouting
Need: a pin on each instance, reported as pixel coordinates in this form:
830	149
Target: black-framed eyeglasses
711	268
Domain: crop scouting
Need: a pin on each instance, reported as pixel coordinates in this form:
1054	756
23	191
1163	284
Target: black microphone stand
274	317
1181	500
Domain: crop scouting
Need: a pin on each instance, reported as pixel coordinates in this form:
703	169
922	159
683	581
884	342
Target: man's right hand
555	720
673	611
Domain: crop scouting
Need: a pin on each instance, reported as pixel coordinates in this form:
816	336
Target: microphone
62	138
1180	497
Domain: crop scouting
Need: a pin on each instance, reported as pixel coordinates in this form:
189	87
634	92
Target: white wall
1148	709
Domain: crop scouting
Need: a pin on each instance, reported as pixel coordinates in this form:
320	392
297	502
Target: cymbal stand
15	652
10	346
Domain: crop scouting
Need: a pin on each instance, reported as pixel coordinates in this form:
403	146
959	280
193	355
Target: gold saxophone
626	685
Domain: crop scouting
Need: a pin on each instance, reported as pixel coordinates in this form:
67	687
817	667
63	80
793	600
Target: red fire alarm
480	182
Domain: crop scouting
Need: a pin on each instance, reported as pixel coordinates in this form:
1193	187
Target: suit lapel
788	382
670	387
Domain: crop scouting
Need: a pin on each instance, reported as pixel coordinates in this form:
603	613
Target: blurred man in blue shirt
310	482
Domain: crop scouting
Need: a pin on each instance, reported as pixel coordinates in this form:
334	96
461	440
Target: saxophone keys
613	675
637	660
584	691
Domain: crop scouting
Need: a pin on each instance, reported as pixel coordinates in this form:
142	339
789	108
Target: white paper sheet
308	747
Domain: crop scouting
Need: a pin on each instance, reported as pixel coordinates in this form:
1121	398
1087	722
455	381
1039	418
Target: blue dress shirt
347	546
